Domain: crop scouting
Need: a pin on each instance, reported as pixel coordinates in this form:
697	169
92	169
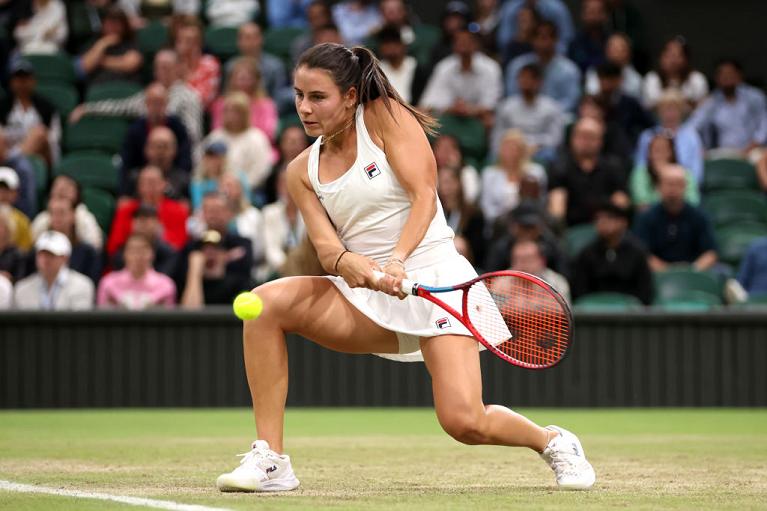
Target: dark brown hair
117	14
668	139
357	67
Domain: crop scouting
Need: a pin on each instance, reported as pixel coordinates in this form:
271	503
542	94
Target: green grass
387	459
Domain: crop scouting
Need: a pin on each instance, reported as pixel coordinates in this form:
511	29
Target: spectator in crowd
587	49
674	71
292	142
526	20
394	13
140	12
448	153
182	101
671	108
527	256
468	83
403	71
19	222
138	286
248	149
583	178
284	230
318	15
621	109
465	220
26	198
618	52
147	224
644	177
288	13
525	223
753	268
54	286
512	179
230	13
615	142
244	76
272	76
30	123
45	31
83	258
734	118
615	262
114	55
136	138
6	293
761	171
150	188
487	17
554	12
455	17
561	77
87	228
11	258
356	19
200	71
673	230
160	151
207	173
248	221
539	117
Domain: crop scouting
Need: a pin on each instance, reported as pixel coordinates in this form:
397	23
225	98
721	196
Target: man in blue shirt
735	115
554	11
674	231
753	269
561	77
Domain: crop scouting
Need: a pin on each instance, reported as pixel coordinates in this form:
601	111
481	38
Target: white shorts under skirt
413	317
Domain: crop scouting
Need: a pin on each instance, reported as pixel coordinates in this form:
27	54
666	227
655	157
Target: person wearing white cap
9	186
54	286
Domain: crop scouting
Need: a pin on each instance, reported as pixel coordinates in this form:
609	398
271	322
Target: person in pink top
245	76
200	71
138	286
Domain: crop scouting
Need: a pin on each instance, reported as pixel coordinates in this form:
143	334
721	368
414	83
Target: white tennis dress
369	208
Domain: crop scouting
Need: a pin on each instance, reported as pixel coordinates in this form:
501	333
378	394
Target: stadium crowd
143	147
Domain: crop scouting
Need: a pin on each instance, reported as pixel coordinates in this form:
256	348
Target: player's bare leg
313	308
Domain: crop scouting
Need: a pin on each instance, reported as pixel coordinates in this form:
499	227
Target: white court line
132	501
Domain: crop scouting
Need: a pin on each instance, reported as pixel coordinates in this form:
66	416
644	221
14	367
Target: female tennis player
367	192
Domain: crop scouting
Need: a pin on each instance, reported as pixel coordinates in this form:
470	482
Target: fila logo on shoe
271	469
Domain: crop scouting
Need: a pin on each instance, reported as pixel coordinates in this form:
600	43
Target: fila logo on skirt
443	323
372	170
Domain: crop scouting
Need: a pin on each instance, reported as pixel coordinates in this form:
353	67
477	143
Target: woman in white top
46	31
367	192
674	72
503	183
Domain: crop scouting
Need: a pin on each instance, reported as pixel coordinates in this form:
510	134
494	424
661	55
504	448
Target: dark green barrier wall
194	359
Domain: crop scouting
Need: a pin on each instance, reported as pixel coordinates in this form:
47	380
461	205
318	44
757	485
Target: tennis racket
517	316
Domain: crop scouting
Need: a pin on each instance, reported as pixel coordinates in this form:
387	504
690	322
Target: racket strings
520	318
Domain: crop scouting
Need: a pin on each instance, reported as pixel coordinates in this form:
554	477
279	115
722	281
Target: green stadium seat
426	38
577	237
221	42
728	208
61	95
279	42
470	133
733	240
101	204
729	174
96	133
611	302
55	67
679	282
90	170
689	301
152	38
112	90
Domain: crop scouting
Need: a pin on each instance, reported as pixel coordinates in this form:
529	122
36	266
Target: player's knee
466	428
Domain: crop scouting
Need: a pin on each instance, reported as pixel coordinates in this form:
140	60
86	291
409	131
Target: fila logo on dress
372	170
443	323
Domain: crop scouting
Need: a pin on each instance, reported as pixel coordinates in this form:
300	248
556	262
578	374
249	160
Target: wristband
395	260
335	267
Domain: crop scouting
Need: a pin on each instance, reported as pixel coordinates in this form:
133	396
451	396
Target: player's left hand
391	284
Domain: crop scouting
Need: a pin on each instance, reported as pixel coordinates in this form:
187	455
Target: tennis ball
248	305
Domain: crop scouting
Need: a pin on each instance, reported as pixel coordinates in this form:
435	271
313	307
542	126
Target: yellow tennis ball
248	305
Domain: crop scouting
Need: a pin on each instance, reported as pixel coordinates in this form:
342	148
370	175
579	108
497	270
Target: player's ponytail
358	67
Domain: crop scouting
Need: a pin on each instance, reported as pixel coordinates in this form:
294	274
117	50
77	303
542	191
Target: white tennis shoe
565	456
260	470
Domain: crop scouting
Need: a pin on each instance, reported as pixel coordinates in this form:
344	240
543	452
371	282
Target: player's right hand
357	270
